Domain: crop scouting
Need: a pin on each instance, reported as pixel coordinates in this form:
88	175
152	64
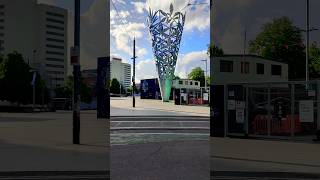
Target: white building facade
247	69
39	33
121	71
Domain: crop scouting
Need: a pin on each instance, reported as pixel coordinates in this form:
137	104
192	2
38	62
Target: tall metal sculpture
166	32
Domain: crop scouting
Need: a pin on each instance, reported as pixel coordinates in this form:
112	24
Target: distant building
121	71
39	33
150	89
248	69
185	84
90	77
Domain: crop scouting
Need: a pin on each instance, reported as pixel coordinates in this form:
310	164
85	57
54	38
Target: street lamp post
205	82
307	41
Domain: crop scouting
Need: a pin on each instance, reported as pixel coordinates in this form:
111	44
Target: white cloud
123	36
147	69
139	6
186	62
120	1
197	16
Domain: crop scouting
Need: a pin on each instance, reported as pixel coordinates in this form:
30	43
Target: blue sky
131	21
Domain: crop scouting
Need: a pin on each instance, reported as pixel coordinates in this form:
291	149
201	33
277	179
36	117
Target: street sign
74	53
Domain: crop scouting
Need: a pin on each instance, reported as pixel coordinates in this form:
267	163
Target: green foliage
314	61
114	86
67	90
176	77
281	40
208	80
197	74
15	79
214	51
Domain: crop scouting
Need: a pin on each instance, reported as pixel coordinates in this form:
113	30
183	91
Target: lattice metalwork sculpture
166	32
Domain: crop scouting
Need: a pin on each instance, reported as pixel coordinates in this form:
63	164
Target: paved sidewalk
249	155
151	107
185	160
43	142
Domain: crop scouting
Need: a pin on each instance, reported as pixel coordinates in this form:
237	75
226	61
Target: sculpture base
166	89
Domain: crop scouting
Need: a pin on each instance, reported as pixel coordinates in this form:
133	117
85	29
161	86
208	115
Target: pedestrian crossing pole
76	75
134	73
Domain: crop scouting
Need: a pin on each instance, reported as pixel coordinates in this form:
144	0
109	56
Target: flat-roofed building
39	33
121	71
248	69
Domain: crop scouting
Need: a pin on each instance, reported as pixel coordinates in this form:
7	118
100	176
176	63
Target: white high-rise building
39	33
121	71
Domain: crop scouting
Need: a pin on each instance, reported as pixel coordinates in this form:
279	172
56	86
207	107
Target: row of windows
227	66
53	52
55	40
54	33
57	79
54	20
55	72
55	14
55	59
55	27
54	46
55	66
190	83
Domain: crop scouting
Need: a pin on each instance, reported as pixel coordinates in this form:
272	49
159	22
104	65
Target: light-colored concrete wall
237	77
121	71
20	27
25	31
185	84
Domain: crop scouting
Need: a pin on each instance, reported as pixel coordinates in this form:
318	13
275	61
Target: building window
55	14
245	67
55	27
55	59
55	40
54	20
1	6
191	83
276	70
186	82
53	33
180	82
196	83
226	66
54	46
55	66
53	52
260	68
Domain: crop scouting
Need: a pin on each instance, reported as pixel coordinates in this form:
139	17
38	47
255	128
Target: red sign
74	53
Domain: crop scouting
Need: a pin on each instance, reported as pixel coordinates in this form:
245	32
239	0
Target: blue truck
149	89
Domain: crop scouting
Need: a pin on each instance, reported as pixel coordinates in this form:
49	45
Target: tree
314	61
15	79
66	91
281	40
214	51
197	74
176	77
114	86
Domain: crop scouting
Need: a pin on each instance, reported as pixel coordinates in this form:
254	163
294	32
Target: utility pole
205	82
134	73
307	41
76	75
